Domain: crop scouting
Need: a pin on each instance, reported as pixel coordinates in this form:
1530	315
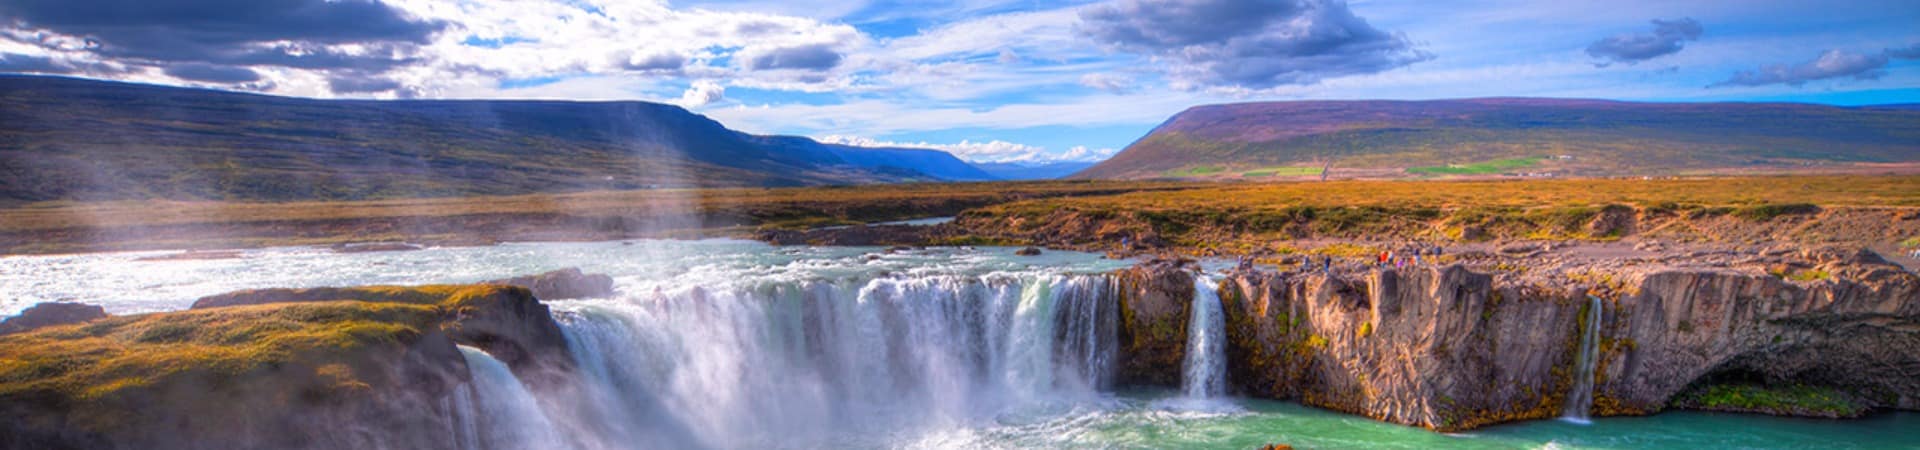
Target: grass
1445	210
1795	399
102	358
1282	172
54	227
1481	168
1193	171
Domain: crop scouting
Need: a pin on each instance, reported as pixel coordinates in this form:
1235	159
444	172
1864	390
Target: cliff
1448	348
317	368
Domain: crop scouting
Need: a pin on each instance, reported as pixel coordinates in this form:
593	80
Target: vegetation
1789	400
77	226
1260	215
1482	168
1382	138
1283	171
1194	171
100	358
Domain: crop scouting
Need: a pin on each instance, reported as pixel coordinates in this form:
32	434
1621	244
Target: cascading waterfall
762	362
1205	371
1580	398
502	414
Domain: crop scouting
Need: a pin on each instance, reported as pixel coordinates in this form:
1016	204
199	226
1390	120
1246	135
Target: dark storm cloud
806	57
348	84
1249	43
213	74
289	33
1668	37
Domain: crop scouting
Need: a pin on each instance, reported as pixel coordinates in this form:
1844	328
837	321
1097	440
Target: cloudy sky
988	80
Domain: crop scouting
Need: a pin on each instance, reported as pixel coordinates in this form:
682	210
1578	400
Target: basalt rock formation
564	283
1449	348
314	368
50	314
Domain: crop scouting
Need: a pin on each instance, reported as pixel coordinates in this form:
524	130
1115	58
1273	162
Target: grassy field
1704	208
57	227
1284	171
1193	213
1481	168
1194	171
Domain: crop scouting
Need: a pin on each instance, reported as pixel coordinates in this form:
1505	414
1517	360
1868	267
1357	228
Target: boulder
1029	251
564	283
51	314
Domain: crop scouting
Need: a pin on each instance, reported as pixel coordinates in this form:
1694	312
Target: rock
1155	300
1613	220
379	371
1521	249
193	255
1473	233
1029	251
564	283
51	314
376	247
1276	447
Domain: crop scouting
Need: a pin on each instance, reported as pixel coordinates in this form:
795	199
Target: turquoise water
1143	421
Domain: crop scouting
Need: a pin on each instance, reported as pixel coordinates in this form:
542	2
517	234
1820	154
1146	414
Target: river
735	344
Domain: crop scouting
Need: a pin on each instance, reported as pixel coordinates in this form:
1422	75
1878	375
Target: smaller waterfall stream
1580	397
505	413
1205	374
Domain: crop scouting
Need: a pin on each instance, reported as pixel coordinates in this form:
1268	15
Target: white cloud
702	93
984	152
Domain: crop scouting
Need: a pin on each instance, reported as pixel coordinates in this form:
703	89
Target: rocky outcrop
331	368
1156	299
1441	348
1857	332
564	283
1449	348
51	314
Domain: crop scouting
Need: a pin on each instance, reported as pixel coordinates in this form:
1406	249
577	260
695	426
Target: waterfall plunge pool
730	344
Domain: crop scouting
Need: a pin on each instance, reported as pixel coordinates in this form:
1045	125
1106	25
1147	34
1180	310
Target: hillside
1486	137
72	139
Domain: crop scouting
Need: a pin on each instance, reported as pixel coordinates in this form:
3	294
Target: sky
988	80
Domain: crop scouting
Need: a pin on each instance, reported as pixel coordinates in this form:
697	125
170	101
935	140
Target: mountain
1512	136
74	139
1033	171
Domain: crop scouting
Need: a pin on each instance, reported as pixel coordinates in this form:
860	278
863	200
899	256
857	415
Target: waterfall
503	413
1205	371
798	362
1580	398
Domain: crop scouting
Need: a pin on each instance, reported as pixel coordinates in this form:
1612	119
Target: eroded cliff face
1447	348
1857	332
1156	301
1440	348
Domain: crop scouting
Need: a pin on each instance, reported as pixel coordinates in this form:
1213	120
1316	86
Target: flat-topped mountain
1495	136
73	139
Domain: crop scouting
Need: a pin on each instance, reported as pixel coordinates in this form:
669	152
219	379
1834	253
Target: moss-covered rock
320	368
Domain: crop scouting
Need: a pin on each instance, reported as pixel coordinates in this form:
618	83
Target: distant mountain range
74	139
1513	136
1033	171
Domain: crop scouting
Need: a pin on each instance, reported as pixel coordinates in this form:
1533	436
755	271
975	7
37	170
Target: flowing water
1205	373
1580	398
733	344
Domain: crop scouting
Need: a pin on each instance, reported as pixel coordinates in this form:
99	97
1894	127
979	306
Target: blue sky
988	80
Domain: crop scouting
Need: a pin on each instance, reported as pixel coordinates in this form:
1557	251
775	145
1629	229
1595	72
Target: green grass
1194	171
1796	399
1286	171
1481	168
